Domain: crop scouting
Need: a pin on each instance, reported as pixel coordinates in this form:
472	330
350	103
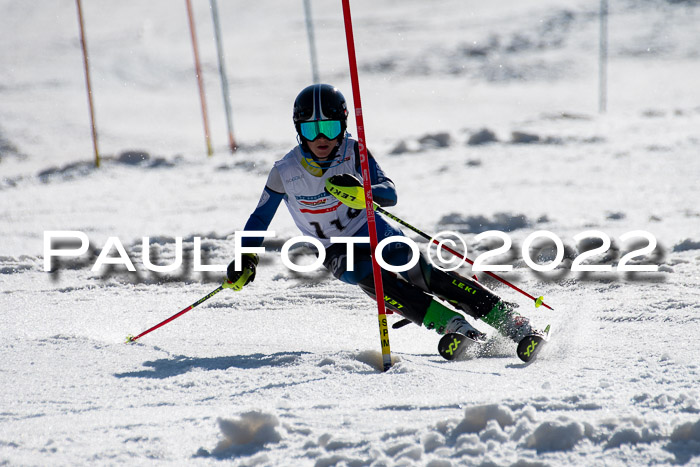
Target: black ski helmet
320	102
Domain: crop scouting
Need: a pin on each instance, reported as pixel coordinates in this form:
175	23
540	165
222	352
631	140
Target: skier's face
322	147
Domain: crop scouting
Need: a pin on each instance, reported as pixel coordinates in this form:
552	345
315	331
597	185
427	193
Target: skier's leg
418	306
400	296
473	298
463	293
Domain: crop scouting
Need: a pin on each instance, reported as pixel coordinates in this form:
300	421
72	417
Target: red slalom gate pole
200	81
83	43
372	227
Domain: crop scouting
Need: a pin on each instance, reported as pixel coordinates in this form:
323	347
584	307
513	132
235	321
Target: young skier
424	295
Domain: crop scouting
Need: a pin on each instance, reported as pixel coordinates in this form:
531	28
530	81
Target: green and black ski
452	346
530	346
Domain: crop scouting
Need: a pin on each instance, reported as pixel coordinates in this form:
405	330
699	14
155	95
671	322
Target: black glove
345	180
237	279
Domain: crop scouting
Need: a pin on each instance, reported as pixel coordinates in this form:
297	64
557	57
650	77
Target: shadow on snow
180	364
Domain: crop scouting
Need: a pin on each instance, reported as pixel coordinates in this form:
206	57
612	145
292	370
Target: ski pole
225	285
352	197
538	301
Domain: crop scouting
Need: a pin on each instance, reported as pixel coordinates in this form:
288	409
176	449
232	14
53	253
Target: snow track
484	117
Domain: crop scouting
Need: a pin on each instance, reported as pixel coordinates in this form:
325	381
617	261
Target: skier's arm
260	219
383	189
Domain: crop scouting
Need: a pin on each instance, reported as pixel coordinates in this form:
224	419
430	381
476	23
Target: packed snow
485	115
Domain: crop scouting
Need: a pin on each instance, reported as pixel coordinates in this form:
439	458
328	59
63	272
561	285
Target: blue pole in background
222	71
603	58
312	41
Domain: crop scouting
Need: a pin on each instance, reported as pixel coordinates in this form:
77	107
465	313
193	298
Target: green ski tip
129	339
539	301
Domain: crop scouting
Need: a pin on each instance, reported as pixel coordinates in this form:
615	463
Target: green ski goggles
312	130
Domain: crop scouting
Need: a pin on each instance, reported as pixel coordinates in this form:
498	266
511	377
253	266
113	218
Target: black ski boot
511	324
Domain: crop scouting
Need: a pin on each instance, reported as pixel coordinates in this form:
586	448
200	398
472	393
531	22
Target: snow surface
286	372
